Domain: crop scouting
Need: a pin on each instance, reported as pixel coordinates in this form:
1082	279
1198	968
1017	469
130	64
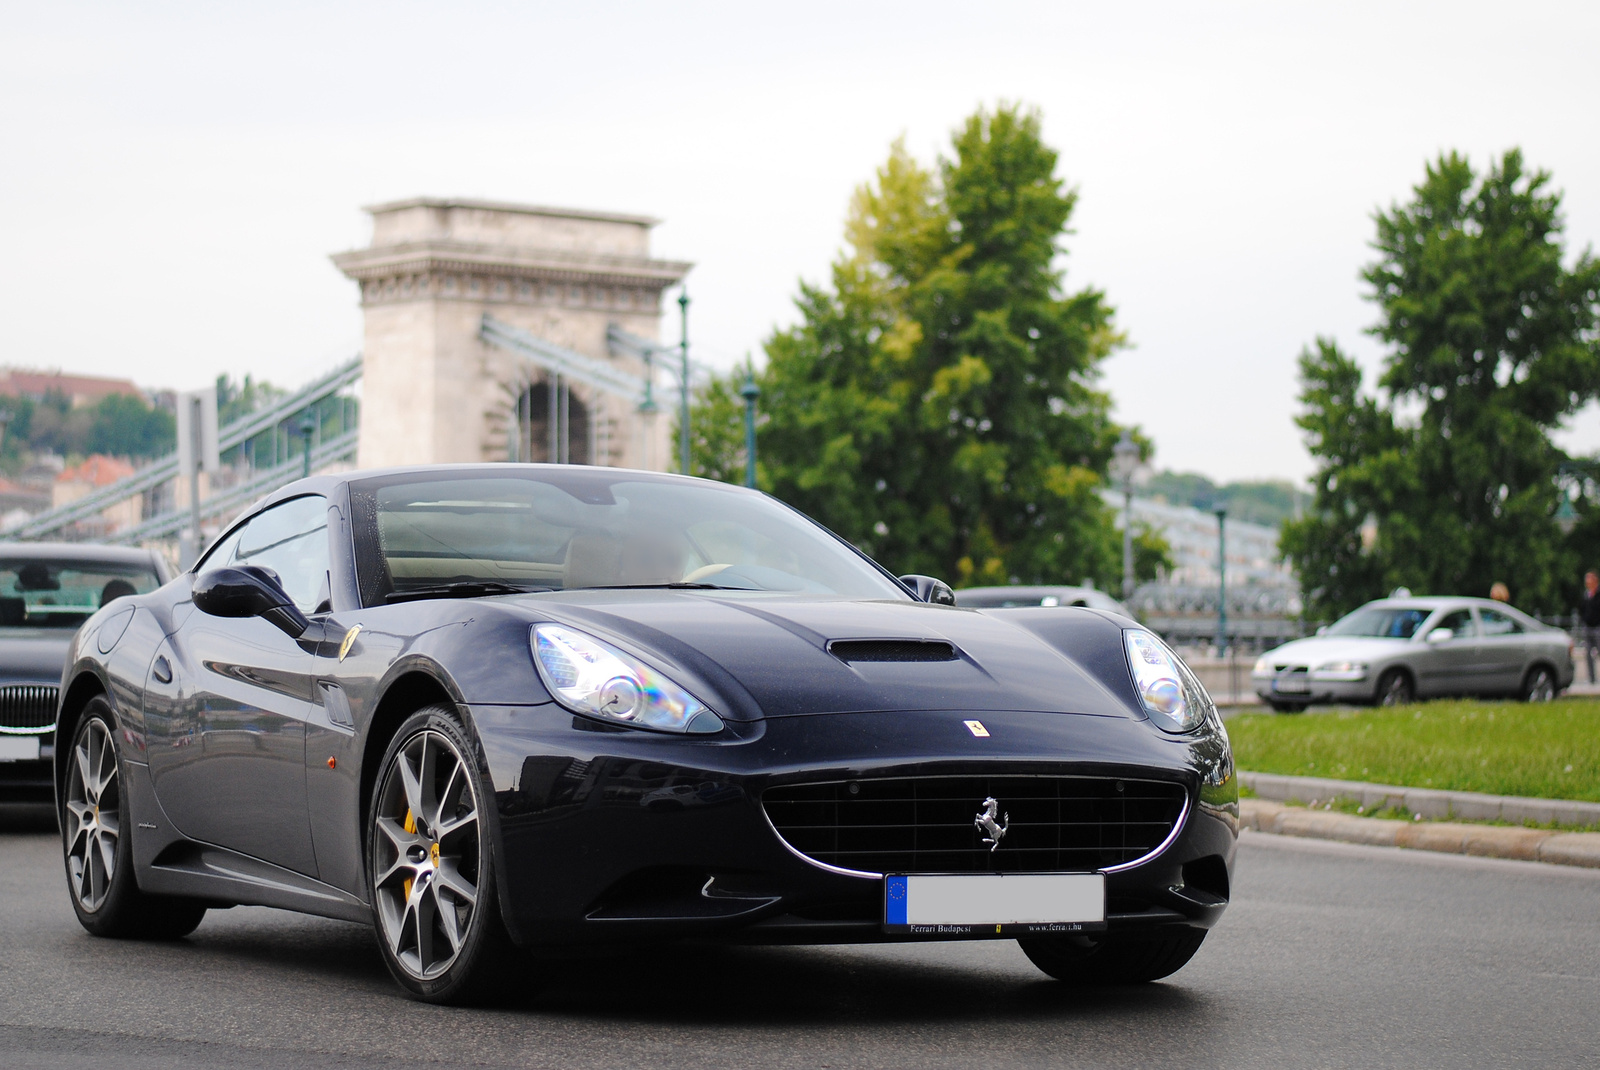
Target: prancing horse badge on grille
995	830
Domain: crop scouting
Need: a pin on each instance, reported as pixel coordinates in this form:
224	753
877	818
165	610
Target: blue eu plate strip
894	901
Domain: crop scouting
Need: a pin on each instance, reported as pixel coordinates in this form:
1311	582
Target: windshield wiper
461	589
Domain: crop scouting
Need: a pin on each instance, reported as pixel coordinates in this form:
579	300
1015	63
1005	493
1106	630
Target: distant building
1263	595
78	389
96	472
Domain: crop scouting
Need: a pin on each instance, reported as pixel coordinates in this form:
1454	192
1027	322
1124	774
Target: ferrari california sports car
499	711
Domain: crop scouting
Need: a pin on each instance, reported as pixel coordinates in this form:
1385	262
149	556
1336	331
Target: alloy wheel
427	854
93	814
1396	690
1541	688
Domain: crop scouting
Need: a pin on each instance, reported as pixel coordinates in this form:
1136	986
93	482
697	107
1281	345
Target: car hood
784	657
33	655
1319	650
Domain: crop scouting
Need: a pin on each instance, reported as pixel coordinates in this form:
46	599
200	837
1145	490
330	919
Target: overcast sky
175	174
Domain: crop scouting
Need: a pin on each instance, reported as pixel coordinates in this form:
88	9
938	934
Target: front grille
27	706
928	824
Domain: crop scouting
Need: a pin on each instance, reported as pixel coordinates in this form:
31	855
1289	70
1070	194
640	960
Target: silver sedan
1395	650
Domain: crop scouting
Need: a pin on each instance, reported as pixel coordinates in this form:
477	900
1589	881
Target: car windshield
1381	622
42	593
577	528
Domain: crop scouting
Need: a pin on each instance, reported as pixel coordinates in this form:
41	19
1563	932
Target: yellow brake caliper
411	827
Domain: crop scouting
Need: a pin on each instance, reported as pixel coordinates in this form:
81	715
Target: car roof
1431	604
75	551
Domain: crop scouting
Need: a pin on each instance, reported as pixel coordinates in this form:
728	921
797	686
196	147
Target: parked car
46	591
488	706
1006	597
1395	650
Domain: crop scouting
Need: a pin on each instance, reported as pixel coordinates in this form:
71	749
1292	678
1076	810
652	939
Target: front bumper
617	835
1317	691
29	780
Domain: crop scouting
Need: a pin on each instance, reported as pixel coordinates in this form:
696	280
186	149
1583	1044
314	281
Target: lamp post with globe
1124	466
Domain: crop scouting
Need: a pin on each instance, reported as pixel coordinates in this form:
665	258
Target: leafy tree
1268	502
1492	344
1152	553
127	426
937	404
716	430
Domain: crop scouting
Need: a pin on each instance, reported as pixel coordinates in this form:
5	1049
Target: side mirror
928	589
249	591
1441	635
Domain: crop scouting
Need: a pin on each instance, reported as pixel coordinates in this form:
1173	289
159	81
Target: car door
1505	651
1450	666
233	771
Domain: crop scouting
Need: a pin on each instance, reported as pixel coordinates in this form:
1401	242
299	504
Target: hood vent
855	651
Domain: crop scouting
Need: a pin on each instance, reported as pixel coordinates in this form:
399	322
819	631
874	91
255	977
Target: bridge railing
255	482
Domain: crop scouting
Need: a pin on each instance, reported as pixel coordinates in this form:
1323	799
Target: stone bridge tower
432	391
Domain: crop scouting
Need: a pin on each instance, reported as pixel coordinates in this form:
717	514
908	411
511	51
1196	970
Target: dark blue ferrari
500	711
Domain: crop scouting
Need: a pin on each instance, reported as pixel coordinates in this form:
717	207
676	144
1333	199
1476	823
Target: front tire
1539	686
431	866
1099	960
1396	689
1279	706
96	845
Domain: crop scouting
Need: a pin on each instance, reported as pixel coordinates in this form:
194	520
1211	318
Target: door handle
162	669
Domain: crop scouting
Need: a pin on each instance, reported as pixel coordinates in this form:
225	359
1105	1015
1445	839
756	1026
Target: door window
1498	623
292	540
1459	622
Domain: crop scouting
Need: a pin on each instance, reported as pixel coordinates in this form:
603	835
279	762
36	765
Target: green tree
1492	344
128	426
1152	554
937	405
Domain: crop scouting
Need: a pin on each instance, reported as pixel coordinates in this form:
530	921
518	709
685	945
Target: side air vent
852	651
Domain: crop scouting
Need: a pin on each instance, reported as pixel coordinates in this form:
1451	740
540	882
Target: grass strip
1547	750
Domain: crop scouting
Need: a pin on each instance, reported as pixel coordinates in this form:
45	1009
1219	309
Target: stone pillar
432	391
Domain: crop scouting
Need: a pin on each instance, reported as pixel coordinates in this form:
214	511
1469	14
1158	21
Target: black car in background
491	707
46	591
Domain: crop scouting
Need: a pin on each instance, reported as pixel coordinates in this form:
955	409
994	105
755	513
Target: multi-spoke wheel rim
1543	689
94	806
1398	693
427	862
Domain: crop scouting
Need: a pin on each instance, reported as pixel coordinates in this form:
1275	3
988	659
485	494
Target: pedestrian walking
1589	616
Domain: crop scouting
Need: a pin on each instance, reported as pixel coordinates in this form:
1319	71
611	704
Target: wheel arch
84	687
1535	665
406	694
1403	670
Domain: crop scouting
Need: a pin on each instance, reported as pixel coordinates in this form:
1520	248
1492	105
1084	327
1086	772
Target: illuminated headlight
1170	693
1340	670
595	678
1263	667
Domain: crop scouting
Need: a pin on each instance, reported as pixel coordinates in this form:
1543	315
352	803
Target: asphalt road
1330	956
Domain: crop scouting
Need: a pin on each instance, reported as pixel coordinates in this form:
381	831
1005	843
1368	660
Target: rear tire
431	867
97	842
1540	685
1104	959
1396	689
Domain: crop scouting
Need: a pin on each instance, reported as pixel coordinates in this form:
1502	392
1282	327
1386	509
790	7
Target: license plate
1291	687
977	903
19	748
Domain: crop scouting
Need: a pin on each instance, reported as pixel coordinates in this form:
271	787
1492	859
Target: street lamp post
1124	463
1222	582
750	392
683	412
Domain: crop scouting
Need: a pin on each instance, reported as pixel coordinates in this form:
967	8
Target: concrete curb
1487	841
1436	805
